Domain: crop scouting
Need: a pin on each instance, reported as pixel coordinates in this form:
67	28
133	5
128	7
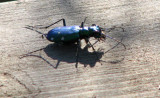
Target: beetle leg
45	27
77	52
95	42
95	53
82	24
86	40
94	50
64	23
57	64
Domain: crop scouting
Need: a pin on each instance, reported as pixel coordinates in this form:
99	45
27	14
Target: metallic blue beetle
74	34
71	34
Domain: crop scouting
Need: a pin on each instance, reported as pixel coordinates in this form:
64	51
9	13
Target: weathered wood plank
138	75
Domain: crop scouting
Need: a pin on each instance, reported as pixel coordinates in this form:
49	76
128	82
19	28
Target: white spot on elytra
59	32
52	38
62	38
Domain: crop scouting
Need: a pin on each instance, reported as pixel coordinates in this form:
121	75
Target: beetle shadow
67	53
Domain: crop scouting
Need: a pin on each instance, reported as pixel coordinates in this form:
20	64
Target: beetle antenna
110	29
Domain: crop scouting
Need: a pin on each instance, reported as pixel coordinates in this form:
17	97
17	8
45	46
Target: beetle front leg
94	50
89	45
77	52
87	40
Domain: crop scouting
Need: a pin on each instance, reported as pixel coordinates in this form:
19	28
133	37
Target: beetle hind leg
45	27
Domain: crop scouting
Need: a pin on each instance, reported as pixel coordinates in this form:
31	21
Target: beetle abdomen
64	34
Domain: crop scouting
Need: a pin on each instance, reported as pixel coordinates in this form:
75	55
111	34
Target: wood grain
138	75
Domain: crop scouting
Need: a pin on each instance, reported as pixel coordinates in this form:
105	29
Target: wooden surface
138	75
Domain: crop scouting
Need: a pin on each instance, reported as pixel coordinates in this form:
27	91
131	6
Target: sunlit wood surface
130	73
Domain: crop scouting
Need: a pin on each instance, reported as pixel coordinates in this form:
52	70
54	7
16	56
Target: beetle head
97	32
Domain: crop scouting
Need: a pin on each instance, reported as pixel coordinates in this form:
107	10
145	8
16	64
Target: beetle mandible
74	34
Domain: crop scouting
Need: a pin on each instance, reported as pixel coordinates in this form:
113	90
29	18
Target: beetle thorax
92	31
84	32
